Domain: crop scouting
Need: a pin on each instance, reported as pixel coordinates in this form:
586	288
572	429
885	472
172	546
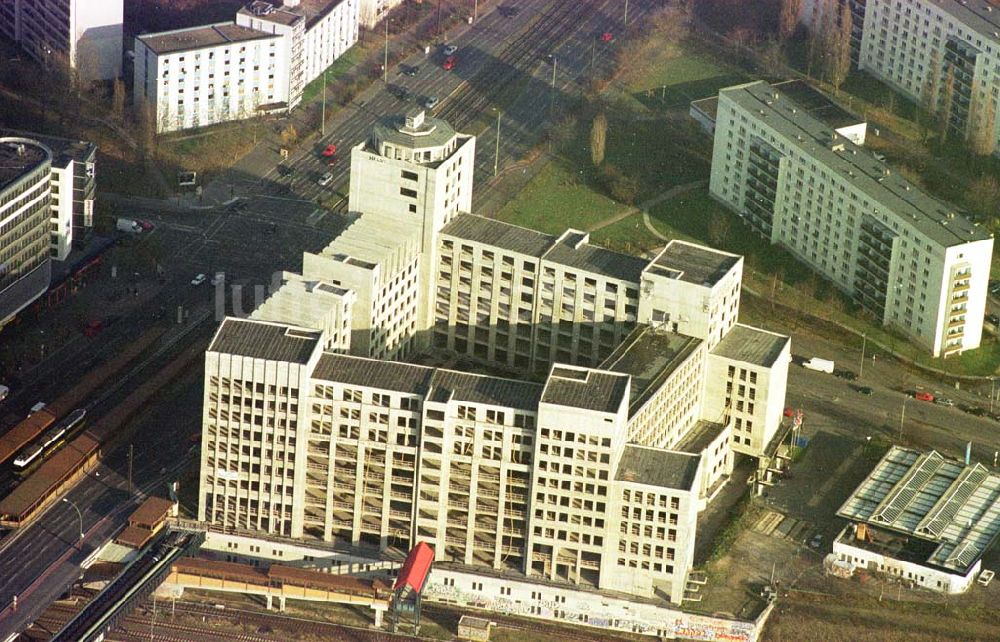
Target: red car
789	412
923	396
449	63
607	37
329	151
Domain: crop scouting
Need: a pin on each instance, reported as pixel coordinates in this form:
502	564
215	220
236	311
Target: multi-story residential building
373	11
84	34
25	210
257	64
74	186
594	477
914	262
943	54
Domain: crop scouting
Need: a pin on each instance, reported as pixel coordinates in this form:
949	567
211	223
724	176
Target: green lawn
340	66
556	199
675	82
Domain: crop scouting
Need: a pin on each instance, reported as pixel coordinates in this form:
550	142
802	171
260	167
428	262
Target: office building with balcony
587	463
83	34
25	211
258	64
915	263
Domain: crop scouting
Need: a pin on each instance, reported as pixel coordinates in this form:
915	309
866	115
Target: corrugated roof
509	237
655	467
263	340
695	264
151	512
485	389
585	388
571	252
387	375
134	537
50	474
751	345
416	568
326	581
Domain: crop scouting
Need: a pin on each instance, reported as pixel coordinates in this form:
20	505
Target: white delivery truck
129	225
819	365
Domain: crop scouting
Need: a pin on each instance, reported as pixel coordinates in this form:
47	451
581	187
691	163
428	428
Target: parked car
994	319
199	279
401	93
329	151
944	401
607	36
325	179
431	102
450	49
508	11
975	411
409	70
284	170
145	225
865	390
923	395
449	63
845	374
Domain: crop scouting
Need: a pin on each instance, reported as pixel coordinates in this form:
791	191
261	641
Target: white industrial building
587	465
86	34
921	519
915	263
260	63
941	53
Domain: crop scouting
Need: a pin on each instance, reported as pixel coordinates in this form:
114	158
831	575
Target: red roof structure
416	568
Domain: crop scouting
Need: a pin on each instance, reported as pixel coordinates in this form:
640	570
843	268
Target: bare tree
929	94
718	229
118	100
147	130
983	197
982	124
788	19
598	138
289	135
945	104
839	52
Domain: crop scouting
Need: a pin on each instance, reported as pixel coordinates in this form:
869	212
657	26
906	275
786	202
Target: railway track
516	60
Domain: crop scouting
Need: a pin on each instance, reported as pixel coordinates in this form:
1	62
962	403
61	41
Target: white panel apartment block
914	262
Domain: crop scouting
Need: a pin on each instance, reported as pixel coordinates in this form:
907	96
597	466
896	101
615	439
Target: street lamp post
322	120
385	58
496	157
902	415
78	514
475	10
625	21
993	381
864	341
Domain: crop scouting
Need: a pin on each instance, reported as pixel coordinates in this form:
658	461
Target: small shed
474	628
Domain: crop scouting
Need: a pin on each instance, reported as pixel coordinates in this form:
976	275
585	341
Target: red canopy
415	568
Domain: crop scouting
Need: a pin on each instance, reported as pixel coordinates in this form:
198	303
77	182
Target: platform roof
416	568
925	495
151	512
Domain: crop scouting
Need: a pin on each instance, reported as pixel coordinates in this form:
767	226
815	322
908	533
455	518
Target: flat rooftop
19	157
436	384
63	149
655	467
751	345
585	388
700	437
940	221
692	263
924	495
571	249
808	97
649	356
980	15
265	340
180	40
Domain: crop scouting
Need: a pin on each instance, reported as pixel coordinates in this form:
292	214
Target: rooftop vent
261	8
950	215
794	110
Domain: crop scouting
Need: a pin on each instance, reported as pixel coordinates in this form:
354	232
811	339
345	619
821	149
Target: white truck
129	225
819	365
